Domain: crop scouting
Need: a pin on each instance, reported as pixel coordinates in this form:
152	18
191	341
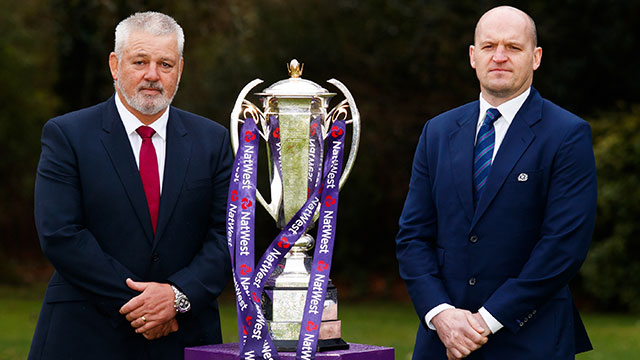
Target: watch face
183	304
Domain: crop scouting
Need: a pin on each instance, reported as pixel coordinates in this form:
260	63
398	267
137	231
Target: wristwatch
181	304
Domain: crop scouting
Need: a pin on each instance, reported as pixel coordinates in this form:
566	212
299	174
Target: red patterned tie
149	173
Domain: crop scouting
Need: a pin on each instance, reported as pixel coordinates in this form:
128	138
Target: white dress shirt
159	139
508	111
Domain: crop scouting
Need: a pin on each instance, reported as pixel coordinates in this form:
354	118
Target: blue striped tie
483	153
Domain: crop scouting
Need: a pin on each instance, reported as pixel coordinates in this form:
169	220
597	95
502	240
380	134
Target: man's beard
148	104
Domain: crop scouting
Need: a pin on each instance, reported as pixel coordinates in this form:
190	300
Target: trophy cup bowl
294	108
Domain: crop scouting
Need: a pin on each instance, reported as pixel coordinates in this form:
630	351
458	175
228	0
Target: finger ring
144	319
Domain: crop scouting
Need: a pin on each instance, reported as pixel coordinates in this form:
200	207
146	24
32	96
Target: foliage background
404	60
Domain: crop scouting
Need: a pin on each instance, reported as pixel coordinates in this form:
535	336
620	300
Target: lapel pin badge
523	177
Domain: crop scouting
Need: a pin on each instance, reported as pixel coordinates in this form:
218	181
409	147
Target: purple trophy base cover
230	351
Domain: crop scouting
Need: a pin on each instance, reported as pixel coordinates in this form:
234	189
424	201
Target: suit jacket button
521	323
472	281
473	238
155	257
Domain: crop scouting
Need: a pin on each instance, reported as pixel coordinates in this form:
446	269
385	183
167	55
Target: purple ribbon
249	279
315	152
241	220
321	267
274	142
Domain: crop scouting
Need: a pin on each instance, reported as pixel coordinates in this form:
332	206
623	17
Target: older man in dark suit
129	204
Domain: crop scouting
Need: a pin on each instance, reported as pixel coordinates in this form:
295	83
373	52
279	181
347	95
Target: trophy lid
295	86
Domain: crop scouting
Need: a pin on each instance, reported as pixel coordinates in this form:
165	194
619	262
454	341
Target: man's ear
471	61
113	66
537	58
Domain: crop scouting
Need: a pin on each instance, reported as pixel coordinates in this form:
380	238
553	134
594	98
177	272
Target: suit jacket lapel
461	142
516	141
178	154
116	142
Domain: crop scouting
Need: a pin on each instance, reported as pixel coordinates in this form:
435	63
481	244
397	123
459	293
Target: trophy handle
243	106
355	121
237	110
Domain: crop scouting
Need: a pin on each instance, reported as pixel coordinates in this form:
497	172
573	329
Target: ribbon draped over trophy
286	301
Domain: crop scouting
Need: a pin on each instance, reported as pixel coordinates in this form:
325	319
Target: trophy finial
295	68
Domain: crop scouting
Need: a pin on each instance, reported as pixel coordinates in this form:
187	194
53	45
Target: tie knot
145	132
492	115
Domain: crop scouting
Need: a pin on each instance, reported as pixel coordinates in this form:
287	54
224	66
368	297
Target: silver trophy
294	101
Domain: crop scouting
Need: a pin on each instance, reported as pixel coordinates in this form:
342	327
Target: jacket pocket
61	293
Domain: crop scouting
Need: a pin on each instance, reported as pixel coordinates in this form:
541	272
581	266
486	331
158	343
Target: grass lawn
19	308
380	323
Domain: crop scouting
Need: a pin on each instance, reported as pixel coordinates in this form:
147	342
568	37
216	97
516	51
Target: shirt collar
131	122
508	110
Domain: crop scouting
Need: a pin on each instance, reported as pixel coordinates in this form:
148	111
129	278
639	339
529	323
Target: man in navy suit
500	212
130	199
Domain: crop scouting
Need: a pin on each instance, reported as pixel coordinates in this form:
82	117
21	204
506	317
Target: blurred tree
610	273
83	29
27	70
588	47
404	61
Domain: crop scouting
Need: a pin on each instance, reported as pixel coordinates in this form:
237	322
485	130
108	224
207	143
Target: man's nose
500	54
152	72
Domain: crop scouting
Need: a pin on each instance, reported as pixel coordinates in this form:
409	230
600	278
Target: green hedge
611	272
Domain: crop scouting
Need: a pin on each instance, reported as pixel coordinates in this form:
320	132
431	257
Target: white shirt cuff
493	324
435	311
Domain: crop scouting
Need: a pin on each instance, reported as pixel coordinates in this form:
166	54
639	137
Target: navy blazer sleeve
65	241
416	240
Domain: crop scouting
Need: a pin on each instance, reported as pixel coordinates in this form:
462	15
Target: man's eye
166	65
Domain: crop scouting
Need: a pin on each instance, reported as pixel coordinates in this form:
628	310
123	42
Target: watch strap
181	302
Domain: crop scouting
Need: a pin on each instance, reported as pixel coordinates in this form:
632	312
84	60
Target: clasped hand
460	331
151	313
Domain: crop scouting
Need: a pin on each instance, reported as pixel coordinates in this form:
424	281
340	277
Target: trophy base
323	345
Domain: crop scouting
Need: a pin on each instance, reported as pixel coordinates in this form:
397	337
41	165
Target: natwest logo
311	326
283	243
329	200
322	265
245	269
249	136
246	203
336	131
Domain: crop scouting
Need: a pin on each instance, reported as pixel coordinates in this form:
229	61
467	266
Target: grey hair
150	22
